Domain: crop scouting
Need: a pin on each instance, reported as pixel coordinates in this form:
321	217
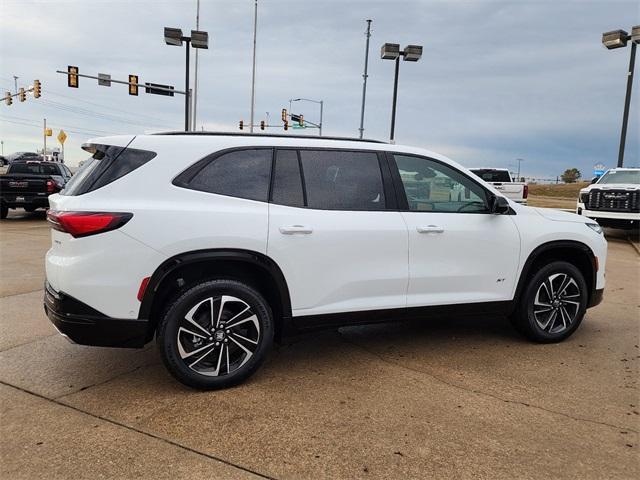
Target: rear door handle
430	229
294	229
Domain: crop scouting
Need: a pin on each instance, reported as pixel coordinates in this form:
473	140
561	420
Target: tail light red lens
51	185
525	192
83	224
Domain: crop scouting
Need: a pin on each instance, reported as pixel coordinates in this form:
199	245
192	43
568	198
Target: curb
634	245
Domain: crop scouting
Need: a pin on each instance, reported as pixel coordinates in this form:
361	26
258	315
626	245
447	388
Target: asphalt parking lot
456	398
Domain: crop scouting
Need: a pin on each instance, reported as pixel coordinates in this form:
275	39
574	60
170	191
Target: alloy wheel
557	303
218	335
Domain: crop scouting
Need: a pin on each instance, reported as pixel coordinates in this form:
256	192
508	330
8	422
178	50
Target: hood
611	186
561	216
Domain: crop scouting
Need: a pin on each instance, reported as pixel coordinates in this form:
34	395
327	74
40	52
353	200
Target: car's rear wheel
4	211
553	303
216	334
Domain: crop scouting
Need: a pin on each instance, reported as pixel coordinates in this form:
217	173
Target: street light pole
187	97
391	51
320	102
618	39
198	39
253	70
395	101
364	77
627	103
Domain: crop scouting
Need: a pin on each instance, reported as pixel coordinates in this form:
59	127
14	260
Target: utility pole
195	83
364	77
253	71
44	134
519	160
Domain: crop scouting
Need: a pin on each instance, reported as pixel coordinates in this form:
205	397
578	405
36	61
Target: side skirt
305	323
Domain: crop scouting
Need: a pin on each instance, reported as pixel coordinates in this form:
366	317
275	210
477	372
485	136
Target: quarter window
241	173
433	187
342	180
287	181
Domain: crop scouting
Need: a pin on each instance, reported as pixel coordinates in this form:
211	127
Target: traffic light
262	125
37	88
72	77
21	95
301	121
241	125
133	85
284	115
286	125
8	100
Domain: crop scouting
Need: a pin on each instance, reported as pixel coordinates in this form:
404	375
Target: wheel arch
179	272
571	251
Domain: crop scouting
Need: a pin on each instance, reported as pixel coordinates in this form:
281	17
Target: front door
459	252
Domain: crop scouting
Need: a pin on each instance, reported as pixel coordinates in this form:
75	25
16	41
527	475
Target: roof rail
270	135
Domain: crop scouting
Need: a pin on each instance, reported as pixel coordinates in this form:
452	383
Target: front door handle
294	229
430	229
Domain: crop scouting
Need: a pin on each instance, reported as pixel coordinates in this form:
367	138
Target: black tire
551	312
4	211
177	342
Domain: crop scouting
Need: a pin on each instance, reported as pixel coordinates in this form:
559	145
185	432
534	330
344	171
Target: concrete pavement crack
21	293
139	431
480	392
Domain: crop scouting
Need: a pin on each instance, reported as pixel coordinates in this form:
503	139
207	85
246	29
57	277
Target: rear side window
107	164
34	168
241	173
342	180
490	175
287	181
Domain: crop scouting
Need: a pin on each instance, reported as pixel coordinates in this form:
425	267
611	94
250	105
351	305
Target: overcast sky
497	81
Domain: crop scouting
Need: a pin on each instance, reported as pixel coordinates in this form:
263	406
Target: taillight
525	191
51	185
143	288
83	224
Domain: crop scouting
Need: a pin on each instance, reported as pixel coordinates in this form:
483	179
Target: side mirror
594	180
499	205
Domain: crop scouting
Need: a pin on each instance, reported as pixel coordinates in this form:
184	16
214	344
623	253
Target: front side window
240	173
342	180
434	187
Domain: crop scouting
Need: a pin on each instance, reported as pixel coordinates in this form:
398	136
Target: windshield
490	175
621	176
34	168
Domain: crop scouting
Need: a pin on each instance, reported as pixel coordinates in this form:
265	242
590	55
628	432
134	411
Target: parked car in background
231	241
18	156
502	181
28	184
613	199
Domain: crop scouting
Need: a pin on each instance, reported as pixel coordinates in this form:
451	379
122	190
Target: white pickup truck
613	200
501	180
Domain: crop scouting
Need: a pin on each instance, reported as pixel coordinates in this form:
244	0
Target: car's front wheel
216	334
553	303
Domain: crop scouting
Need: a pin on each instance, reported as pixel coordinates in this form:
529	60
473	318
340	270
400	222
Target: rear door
333	233
458	251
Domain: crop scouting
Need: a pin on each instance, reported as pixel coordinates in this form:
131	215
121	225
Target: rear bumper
86	326
17	201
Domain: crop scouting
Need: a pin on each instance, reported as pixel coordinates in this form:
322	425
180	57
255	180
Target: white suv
218	243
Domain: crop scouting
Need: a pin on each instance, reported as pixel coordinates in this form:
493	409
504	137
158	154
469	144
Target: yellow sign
48	132
62	137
